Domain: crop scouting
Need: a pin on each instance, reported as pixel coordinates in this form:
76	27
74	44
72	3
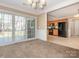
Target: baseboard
9	43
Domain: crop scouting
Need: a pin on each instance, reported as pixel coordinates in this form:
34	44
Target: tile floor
37	49
72	42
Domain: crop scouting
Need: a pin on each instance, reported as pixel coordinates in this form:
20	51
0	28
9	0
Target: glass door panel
5	28
31	28
19	27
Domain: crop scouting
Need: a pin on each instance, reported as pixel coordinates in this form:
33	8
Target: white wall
42	27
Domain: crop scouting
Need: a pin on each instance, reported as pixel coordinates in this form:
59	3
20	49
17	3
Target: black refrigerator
62	29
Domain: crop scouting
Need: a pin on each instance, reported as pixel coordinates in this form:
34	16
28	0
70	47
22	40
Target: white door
75	27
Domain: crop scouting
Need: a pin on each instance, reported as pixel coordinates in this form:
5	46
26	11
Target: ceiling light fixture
37	4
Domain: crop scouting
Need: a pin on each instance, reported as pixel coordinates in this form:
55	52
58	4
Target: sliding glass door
16	28
31	28
5	27
19	28
24	28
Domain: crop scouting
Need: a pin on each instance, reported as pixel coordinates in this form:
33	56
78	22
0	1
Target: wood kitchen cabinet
55	31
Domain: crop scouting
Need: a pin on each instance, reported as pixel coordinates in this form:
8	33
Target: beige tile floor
72	42
37	49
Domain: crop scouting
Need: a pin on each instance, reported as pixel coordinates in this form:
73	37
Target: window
19	27
14	27
5	27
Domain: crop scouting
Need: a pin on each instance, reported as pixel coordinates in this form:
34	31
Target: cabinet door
55	31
